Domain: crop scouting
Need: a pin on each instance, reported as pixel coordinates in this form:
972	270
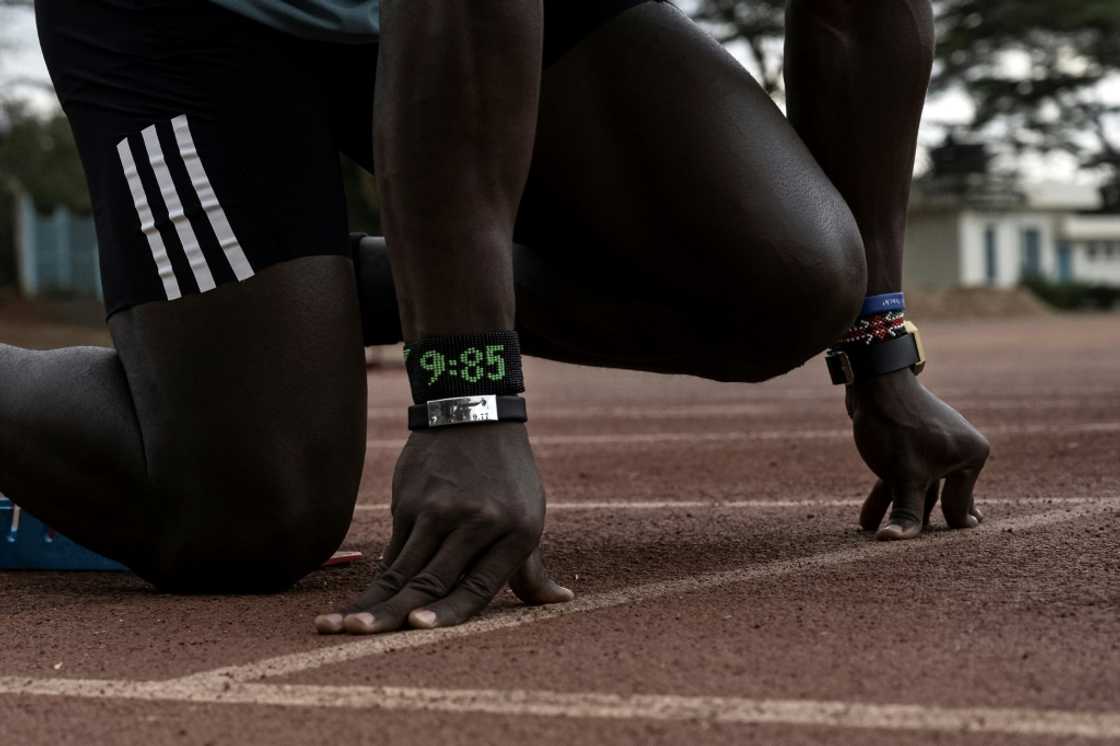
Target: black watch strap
858	363
466	410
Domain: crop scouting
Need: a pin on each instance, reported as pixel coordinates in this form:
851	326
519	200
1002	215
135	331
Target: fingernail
890	532
328	623
359	624
423	618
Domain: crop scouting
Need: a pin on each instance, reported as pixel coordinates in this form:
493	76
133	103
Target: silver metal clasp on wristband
460	410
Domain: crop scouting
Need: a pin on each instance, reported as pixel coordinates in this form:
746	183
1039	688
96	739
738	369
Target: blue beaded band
876	304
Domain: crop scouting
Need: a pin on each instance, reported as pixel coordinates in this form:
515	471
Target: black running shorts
211	142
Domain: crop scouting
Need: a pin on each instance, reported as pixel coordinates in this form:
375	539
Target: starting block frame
26	543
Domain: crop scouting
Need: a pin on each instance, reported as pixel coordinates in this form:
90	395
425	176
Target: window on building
1031	252
1091	250
1065	261
991	255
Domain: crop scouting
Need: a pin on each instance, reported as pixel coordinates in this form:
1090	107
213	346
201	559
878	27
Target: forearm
455	116
857	72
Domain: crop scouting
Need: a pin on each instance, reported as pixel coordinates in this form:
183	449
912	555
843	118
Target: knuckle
434	517
429	584
478	587
526	533
983	447
492	514
391	580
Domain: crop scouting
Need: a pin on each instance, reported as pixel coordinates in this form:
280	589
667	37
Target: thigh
226	269
660	161
251	397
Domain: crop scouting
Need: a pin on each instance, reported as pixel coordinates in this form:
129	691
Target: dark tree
758	24
1034	71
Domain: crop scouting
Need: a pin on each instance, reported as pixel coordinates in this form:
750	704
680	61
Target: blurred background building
969	227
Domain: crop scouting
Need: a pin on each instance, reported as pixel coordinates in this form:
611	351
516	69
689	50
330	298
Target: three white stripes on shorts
200	182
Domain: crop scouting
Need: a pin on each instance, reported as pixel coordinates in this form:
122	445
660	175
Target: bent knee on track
802	297
250	535
265	554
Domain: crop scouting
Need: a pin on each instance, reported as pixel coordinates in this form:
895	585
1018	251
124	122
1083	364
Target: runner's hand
468	510
912	440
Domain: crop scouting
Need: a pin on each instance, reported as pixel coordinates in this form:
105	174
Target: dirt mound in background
49	323
956	303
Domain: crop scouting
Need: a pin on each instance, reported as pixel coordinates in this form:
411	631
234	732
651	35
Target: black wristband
464	365
852	363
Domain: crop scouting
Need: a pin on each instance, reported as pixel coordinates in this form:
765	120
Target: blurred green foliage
38	156
1074	296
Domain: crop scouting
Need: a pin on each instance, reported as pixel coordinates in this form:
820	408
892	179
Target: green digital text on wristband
464	365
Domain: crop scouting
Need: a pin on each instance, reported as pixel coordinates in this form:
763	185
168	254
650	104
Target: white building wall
946	248
1009	229
1102	232
932	255
1009	249
1102	269
971	241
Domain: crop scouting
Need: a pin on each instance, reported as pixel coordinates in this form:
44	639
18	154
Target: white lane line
751	408
772	504
625	439
519	702
353	649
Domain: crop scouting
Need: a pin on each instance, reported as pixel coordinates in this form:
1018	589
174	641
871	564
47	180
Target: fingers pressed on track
957	501
415	551
875	506
476	590
533	585
434	581
421	545
905	521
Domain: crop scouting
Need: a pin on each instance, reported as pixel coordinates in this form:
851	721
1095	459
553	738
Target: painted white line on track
518	702
379	644
696	438
751	408
773	504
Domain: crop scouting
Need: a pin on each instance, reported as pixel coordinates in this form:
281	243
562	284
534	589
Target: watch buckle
840	367
912	329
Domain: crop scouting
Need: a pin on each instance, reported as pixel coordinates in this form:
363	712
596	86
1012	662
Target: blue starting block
26	543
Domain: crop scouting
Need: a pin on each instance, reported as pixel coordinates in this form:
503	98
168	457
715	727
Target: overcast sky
17	27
